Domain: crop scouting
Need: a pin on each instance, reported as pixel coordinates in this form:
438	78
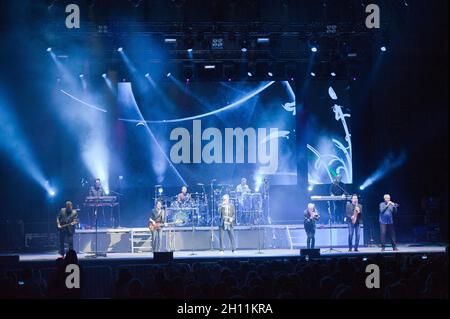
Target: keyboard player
97	189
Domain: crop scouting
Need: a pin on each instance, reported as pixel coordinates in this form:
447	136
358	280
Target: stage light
81	75
424	257
106	191
270	74
333	74
310	188
51	193
313	74
189	50
168	74
249	74
389	164
160	190
170	40
383	49
147	75
120	49
187	80
244	49
263	40
49	49
104	75
208	67
314	49
229	79
364	259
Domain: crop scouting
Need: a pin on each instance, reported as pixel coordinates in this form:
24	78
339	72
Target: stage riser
117	241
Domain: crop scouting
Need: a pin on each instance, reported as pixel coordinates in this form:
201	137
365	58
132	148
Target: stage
178	239
242	254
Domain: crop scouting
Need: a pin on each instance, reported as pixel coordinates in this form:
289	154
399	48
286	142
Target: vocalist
387	211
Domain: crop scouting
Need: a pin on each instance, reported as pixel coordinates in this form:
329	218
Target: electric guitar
74	222
157	226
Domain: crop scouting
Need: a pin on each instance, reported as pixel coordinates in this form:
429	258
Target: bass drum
180	217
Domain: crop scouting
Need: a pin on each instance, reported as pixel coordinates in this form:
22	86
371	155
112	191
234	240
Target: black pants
353	229
156	240
230	232
63	236
310	230
384	228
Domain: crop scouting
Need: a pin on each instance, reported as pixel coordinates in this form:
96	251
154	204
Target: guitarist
353	213
66	221
155	221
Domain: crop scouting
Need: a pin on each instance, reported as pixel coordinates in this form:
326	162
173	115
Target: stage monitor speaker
311	253
9	260
165	256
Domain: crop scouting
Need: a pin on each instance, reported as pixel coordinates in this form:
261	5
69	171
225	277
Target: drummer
184	197
241	190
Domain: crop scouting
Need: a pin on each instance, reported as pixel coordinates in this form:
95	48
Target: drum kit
195	210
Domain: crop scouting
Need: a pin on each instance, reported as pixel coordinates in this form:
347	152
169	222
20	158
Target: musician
227	213
353	214
66	221
387	210
311	216
156	219
97	189
337	188
184	196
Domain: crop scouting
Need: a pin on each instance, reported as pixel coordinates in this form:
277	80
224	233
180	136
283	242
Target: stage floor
244	254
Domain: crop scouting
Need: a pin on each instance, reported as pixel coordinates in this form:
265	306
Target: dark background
399	102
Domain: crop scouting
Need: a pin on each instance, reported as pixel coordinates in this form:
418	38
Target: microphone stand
212	214
96	253
331	249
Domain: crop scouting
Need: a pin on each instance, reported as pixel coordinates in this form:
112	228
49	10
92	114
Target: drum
247	202
251	202
256	201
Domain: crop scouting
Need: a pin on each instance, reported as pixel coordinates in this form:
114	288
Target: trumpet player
387	209
353	213
311	216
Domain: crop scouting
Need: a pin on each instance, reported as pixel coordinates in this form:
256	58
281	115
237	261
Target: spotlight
333	74
262	40
424	257
189	50
104	75
120	49
313	74
187	80
249	74
270	74
168	74
170	40
361	187
244	49
383	49
314	49
209	67
49	49
52	193
310	188
147	75
160	190
229	79
81	75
